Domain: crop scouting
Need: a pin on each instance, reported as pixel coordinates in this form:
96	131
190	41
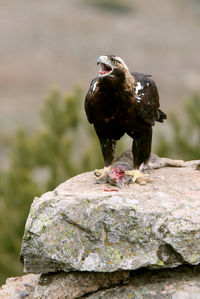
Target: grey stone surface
180	283
81	227
177	283
76	284
20	287
60	285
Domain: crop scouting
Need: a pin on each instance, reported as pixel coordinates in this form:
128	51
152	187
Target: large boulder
82	226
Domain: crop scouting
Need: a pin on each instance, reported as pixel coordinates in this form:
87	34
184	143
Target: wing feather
147	97
89	101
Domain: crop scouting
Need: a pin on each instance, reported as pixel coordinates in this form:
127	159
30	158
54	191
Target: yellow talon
138	177
135	174
102	172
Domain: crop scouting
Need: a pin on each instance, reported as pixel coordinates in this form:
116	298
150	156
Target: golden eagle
120	102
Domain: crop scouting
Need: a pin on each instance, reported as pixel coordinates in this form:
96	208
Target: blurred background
48	54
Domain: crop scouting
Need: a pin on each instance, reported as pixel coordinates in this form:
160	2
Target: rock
74	285
179	283
60	285
80	227
19	287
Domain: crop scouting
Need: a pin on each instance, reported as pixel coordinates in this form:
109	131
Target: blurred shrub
115	6
183	140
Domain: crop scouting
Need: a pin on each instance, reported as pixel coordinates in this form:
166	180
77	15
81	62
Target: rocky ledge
87	240
82	226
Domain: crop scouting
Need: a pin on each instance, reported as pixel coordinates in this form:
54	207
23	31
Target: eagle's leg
141	150
108	150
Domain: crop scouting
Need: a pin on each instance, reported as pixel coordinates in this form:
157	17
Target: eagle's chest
113	107
111	114
108	113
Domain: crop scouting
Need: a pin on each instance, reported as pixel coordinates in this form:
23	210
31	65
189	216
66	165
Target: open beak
105	66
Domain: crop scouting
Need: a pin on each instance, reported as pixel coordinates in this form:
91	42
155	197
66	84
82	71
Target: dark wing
89	101
147	98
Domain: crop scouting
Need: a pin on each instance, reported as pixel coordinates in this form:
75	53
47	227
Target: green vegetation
183	140
64	146
113	6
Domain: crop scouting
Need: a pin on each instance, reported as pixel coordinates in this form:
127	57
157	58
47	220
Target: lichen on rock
79	227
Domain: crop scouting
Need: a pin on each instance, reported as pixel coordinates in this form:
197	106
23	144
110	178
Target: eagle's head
110	64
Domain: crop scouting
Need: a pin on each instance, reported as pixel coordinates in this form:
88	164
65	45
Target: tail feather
161	116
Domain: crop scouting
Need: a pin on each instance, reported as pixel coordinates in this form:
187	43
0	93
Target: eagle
119	101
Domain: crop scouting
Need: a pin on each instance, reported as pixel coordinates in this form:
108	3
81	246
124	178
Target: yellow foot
138	177
102	172
102	175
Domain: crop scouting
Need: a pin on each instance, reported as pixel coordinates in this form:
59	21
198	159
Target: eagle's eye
115	62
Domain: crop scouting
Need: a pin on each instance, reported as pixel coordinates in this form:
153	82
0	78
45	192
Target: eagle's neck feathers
129	82
120	79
